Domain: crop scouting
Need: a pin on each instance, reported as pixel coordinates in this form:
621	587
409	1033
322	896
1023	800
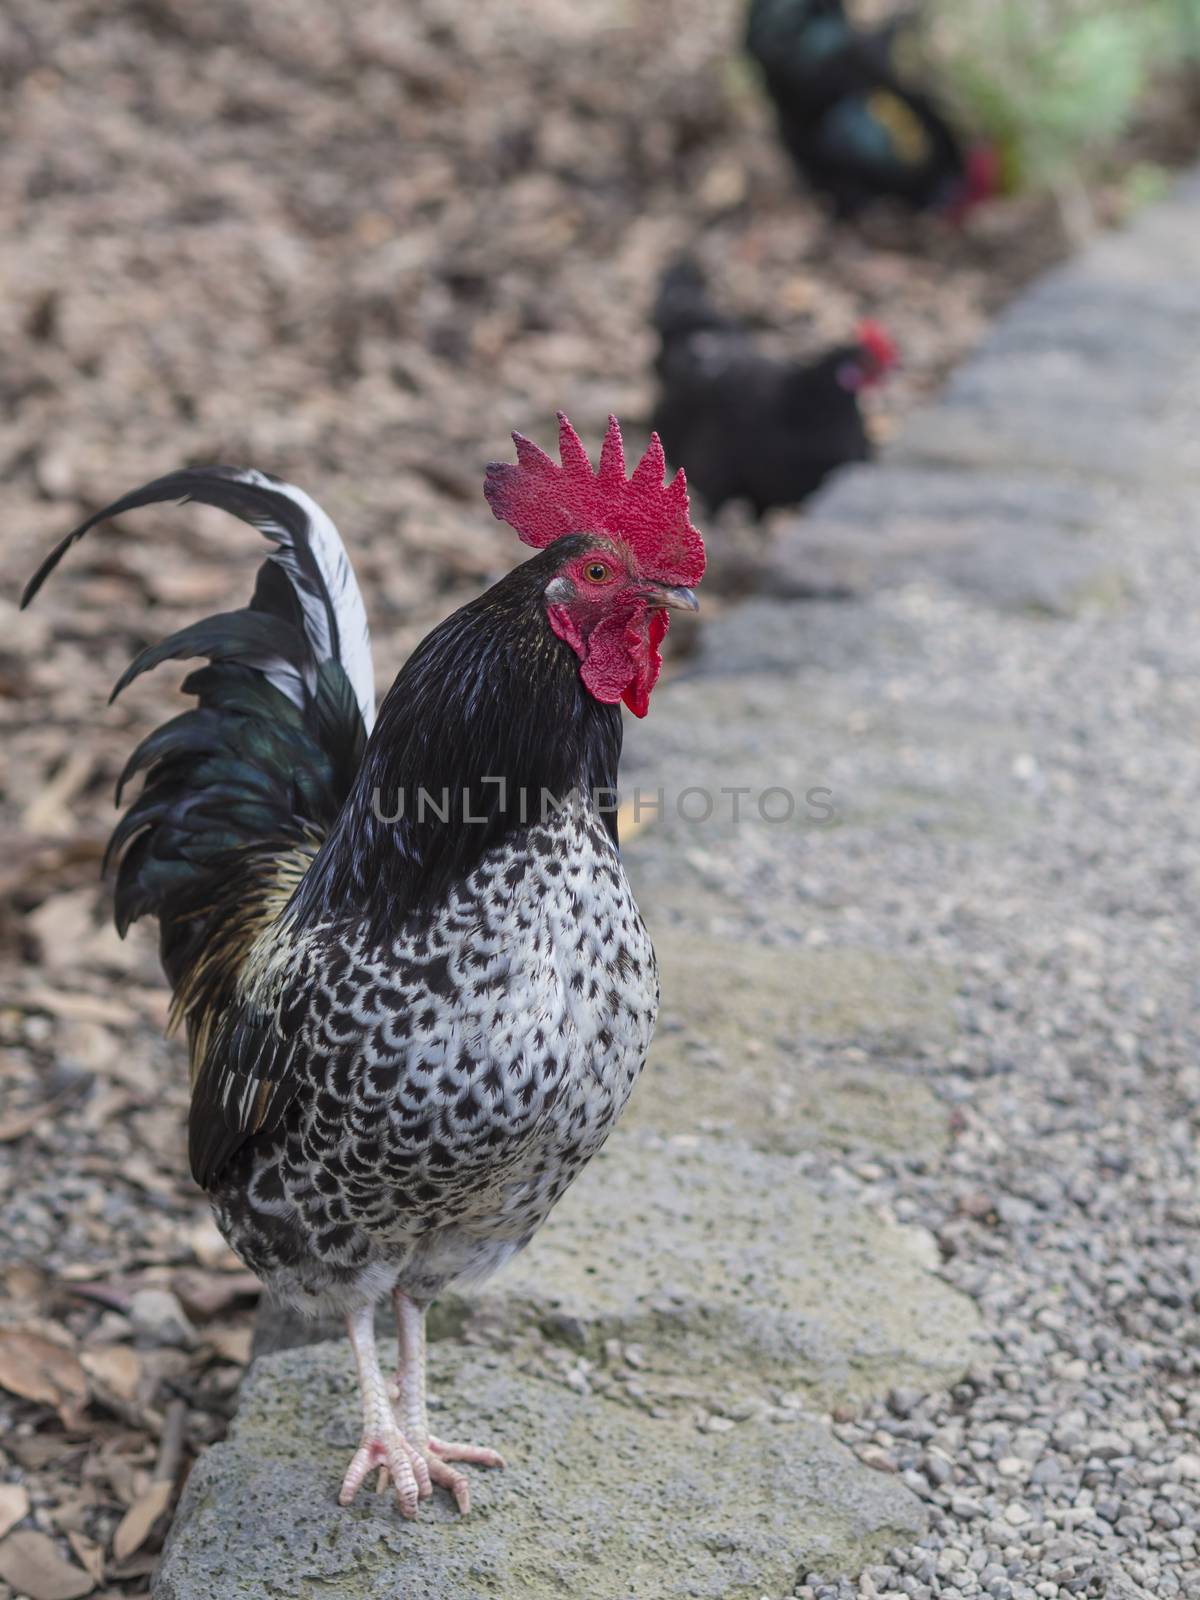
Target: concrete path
888	1285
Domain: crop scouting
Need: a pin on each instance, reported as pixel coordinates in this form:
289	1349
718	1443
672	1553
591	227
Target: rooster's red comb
542	501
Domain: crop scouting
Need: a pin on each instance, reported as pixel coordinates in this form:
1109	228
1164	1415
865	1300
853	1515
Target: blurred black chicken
746	427
854	129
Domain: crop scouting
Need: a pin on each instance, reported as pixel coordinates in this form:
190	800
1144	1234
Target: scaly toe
420	1469
394	1457
476	1454
456	1482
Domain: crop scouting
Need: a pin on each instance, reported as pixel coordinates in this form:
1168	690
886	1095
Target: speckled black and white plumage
455	1077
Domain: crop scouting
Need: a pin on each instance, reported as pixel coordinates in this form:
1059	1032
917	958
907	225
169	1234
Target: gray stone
1032	567
734	1052
1118	1585
597	1500
868	498
735	1273
1016	538
158	1319
1050	437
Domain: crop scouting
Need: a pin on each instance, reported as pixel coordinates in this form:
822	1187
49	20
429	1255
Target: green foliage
1187	17
1053	82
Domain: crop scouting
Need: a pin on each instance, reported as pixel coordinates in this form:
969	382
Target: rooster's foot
388	1449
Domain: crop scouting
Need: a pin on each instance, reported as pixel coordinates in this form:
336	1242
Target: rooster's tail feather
240	790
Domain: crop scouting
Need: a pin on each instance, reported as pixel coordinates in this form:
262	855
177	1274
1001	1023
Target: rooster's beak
677	599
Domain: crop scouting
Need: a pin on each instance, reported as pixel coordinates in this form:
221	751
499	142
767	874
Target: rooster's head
609	598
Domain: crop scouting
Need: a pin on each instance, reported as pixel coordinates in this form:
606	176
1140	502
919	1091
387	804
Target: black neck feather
491	693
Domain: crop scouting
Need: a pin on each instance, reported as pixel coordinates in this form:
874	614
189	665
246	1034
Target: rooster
743	426
851	124
416	987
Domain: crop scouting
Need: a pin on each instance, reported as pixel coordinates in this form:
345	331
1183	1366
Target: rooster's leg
410	1409
382	1444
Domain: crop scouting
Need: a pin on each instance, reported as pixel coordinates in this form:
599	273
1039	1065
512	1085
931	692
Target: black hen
746	427
854	129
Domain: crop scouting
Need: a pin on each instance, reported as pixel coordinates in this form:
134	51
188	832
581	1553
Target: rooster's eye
596	572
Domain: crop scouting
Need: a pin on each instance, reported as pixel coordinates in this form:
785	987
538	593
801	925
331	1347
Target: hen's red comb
878	344
542	501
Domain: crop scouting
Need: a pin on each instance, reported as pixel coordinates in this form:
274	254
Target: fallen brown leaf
139	1169
38	1367
190	586
106	948
72	1272
108	1291
77	1007
14	1504
115	1367
31	1563
62	924
37	1451
154	1004
89	1044
105	1103
51	811
124	1462
134	1527
18	1123
24	1284
204	1294
76	1513
89	1554
27	860
231	1343
138	1566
